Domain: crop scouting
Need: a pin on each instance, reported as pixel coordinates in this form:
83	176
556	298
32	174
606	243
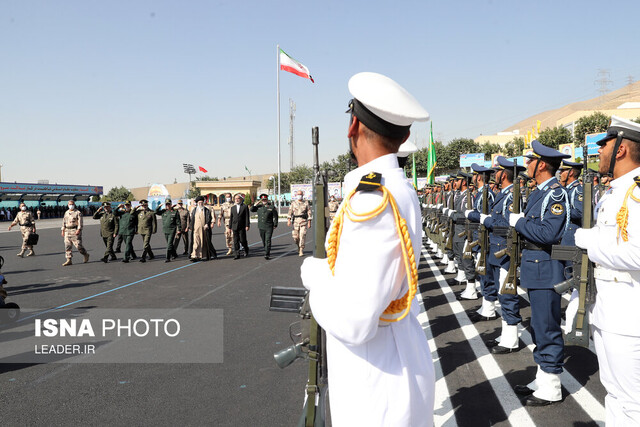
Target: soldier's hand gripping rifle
582	279
509	287
312	339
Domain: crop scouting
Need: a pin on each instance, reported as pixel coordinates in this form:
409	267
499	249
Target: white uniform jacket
617	269
380	374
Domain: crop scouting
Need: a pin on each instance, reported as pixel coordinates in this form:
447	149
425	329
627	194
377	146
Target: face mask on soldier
23	208
72	207
299	197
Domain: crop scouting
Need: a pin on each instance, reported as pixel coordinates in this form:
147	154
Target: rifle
582	278
511	281
312	338
448	246
467	252
483	236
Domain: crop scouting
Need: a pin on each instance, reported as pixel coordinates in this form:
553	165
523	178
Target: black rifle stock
582	278
509	287
451	228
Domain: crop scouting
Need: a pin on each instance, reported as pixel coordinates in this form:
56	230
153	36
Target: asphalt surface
474	387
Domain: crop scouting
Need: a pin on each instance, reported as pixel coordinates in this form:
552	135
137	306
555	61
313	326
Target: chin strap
615	152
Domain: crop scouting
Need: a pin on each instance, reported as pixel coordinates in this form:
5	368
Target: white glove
572	310
445	211
582	237
483	218
451	212
467	212
513	218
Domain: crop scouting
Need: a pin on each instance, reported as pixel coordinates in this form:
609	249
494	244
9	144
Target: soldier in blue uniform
569	174
448	254
480	177
466	267
541	225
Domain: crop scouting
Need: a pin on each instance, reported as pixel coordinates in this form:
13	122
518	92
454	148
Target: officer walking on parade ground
72	233
185	222
267	221
147	226
109	226
127	225
613	244
300	216
363	294
541	225
225	215
27	224
171	224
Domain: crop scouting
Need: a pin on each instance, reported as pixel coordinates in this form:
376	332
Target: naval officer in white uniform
613	244
379	363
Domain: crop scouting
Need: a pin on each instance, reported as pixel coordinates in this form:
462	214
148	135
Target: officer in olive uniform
333	207
171	225
72	233
27	223
225	215
267	221
542	225
300	217
185	222
147	225
108	229
127	224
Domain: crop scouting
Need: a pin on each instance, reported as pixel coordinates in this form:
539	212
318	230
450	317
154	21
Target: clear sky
123	92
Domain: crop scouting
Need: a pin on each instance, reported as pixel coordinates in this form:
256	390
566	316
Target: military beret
629	130
383	105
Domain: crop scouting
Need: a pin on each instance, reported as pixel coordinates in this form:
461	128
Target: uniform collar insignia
370	182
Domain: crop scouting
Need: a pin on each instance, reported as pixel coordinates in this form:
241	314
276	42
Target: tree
514	147
553	137
207	178
595	123
337	168
193	191
449	156
637	120
489	148
118	194
300	174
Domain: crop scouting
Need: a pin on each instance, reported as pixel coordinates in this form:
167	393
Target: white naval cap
383	105
629	130
407	148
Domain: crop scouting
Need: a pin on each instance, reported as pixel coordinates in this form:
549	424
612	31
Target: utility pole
603	81
292	116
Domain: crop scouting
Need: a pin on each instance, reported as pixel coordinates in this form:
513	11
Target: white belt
609	275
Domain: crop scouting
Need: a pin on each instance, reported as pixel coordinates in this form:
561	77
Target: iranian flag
289	64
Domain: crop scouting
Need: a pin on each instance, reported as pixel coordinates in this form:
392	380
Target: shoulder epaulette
370	182
554	185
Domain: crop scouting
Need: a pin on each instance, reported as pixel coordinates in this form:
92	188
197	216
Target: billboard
568	149
467	159
335	189
590	140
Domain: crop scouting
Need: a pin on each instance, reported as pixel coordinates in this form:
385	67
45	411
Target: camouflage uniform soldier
72	233
27	223
185	222
225	213
333	207
109	226
147	226
300	215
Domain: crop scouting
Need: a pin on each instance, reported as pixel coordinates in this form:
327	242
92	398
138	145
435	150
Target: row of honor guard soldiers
470	220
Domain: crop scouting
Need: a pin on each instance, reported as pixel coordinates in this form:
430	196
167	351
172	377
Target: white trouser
619	362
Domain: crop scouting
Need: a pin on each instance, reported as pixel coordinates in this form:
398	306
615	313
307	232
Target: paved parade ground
473	388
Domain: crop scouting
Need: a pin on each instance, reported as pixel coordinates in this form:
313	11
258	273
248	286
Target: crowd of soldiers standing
495	236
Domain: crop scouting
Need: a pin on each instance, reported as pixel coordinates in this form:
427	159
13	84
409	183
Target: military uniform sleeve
117	225
79	221
369	274
160	210
309	212
290	214
155	225
97	215
275	217
606	247
550	229
577	204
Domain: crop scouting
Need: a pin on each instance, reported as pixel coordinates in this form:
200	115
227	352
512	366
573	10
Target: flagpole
278	102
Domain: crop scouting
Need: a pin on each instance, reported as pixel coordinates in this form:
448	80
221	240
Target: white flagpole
278	102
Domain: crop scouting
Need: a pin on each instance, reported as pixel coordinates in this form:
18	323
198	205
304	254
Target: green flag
413	170
431	159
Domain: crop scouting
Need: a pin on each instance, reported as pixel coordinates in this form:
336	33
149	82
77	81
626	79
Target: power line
603	81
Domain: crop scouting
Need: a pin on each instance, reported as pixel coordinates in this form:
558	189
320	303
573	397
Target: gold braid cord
622	218
403	304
